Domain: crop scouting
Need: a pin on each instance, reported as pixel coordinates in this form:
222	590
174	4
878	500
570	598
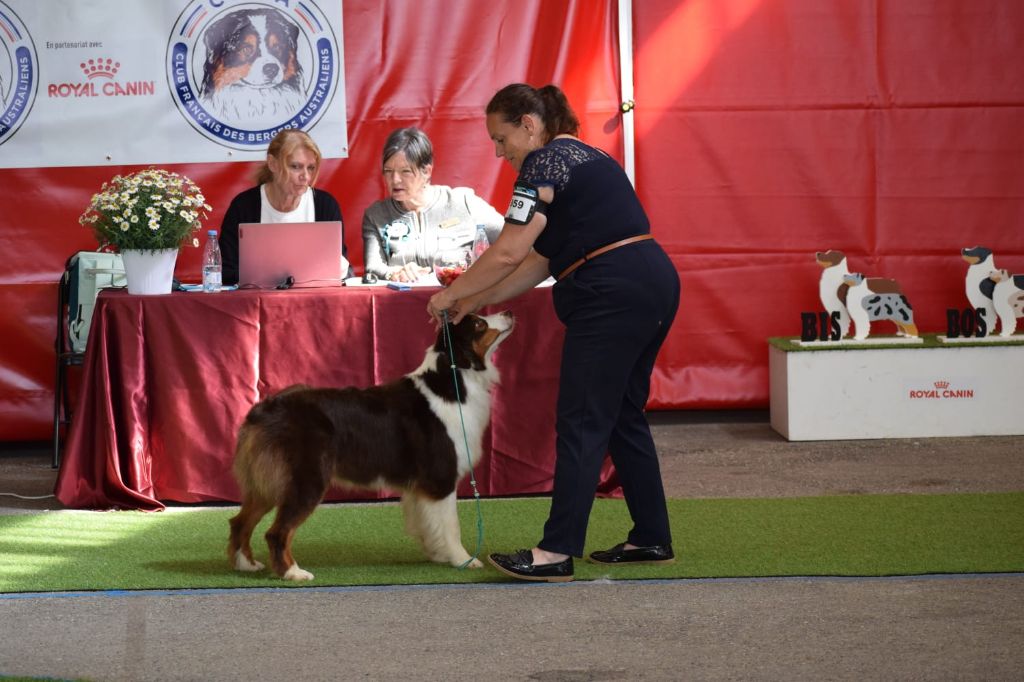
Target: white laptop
308	253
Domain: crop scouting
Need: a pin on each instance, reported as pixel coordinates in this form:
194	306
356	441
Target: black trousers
617	310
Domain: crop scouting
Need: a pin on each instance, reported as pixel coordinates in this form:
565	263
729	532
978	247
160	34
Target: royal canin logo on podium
940	390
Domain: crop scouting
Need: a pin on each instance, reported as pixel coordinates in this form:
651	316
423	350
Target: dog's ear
451	343
215	34
444	336
290	29
219	37
446	331
220	32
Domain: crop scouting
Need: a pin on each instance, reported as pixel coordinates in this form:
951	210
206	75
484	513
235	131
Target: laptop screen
309	253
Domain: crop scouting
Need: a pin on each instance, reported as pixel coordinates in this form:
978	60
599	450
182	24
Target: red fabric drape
766	131
169	379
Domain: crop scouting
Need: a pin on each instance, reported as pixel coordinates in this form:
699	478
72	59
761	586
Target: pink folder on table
309	253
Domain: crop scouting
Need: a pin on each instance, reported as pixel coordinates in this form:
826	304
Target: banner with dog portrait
175	81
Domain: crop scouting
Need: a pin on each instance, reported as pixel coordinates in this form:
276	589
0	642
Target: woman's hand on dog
457	308
439	303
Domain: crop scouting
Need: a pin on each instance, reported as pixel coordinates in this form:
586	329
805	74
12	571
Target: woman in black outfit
574	215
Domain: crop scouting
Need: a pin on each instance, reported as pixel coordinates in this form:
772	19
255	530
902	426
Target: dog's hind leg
438	521
290	516
242	525
412	517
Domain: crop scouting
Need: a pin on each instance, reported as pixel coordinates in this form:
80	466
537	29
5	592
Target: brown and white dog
406	436
252	73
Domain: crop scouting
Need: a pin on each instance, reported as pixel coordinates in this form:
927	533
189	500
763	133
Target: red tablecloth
168	380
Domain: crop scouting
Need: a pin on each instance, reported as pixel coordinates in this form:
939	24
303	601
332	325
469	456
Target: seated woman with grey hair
402	233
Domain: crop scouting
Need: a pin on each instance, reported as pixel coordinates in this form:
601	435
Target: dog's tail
275	444
259	465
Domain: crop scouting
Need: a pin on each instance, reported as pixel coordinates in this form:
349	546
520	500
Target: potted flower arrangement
147	216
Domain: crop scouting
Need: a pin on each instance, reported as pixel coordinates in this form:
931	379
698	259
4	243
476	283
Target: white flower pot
149	272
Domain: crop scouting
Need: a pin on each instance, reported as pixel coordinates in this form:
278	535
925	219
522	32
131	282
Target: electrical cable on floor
26	497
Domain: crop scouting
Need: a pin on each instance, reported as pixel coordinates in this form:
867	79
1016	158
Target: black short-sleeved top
594	203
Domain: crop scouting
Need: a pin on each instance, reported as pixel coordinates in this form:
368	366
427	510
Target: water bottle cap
212	233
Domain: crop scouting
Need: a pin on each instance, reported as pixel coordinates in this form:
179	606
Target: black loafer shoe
520	565
658	554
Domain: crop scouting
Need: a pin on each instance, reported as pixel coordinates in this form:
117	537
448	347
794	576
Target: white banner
101	82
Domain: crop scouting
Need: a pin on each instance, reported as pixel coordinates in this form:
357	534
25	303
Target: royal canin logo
100	68
96	70
941	390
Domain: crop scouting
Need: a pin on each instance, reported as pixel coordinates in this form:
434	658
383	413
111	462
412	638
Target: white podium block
909	392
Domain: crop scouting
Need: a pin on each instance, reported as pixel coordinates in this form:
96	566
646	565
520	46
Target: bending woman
574	215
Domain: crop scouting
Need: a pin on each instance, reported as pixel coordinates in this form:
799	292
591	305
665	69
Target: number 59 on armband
524	204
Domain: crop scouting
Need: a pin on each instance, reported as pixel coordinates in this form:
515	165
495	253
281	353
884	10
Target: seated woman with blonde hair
402	233
284	193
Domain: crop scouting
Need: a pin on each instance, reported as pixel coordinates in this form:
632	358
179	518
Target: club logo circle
19	73
239	72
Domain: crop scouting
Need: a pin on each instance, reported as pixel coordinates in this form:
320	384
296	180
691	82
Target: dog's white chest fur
464	422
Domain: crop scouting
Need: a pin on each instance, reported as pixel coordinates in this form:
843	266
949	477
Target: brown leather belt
604	249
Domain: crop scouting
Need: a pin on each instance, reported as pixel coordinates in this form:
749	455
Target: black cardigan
245	208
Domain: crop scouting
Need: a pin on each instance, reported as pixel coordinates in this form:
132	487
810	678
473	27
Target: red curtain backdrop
892	130
766	130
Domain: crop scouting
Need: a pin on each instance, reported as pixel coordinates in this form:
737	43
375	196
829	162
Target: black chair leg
57	415
61	411
60	390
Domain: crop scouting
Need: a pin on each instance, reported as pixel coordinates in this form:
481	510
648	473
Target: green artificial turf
348	544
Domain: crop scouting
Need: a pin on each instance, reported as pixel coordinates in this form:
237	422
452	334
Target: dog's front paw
475	563
296	573
242	563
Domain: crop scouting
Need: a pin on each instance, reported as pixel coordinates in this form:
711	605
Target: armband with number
525	203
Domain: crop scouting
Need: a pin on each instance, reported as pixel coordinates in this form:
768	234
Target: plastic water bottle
211	264
480	242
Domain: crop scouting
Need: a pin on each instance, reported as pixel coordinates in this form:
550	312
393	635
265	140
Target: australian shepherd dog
252	72
405	436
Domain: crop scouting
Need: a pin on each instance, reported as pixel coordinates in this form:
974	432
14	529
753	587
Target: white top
303	213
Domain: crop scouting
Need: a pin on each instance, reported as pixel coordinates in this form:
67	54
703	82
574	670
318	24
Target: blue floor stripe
507	585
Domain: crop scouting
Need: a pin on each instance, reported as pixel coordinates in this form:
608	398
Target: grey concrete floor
932	628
